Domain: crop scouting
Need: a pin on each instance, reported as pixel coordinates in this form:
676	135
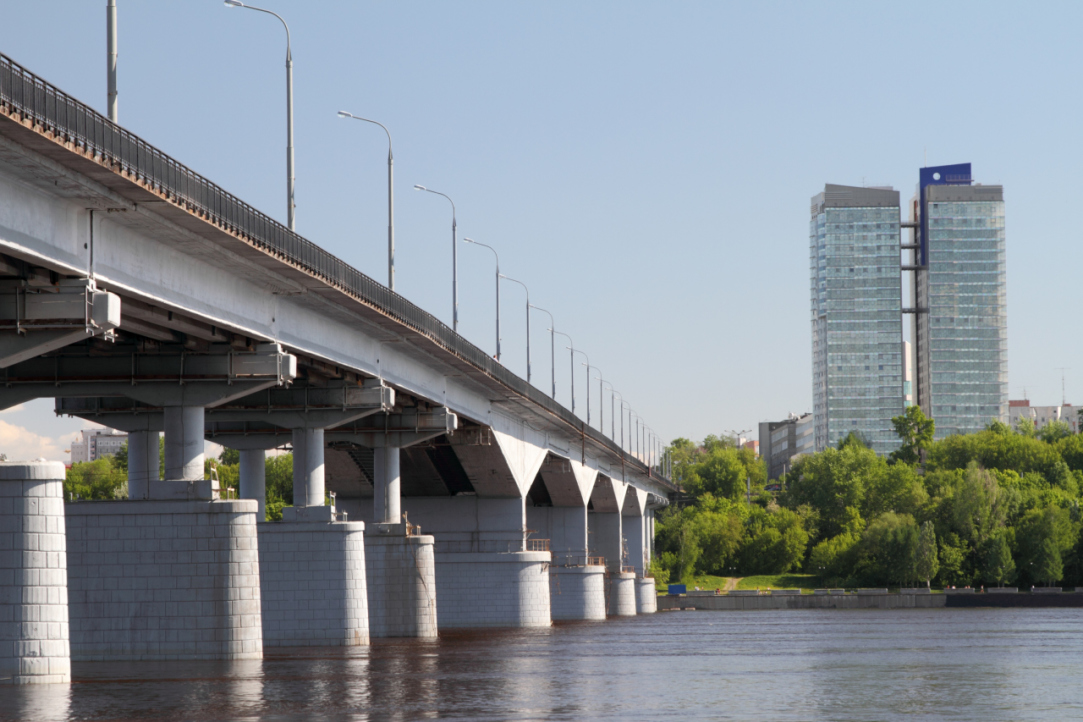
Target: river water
966	664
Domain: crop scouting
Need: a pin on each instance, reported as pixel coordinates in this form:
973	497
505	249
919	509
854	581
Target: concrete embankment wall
867	601
804	601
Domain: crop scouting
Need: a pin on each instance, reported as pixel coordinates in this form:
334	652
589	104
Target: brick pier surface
577	592
622	594
33	575
312	583
401	579
164	580
493	589
646	596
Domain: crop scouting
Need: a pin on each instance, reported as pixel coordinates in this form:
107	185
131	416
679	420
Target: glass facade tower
857	346
961	331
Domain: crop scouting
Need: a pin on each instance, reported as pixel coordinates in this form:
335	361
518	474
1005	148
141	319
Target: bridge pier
607	541
33	574
252	483
635	522
143	463
312	567
557	510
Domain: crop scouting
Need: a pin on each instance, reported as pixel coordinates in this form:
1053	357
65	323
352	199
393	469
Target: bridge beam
36	319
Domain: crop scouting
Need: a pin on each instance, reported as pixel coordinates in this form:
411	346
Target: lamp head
343	113
420	188
234	4
467	240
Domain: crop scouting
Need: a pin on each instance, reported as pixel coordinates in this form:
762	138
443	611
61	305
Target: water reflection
838	665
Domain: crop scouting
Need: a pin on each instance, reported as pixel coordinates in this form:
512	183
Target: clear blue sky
645	167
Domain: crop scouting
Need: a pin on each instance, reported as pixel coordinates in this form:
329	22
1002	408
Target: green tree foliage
230	457
927	561
994	507
916	432
887	552
1054	431
998	567
99	479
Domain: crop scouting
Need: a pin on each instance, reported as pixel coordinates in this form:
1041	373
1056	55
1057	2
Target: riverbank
866	599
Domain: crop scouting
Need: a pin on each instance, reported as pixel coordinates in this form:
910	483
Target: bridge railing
56	112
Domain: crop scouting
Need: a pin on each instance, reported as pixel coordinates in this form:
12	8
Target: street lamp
601	408
571	359
575	351
484	245
454	259
612	417
509	278
390	198
552	347
290	205
622	405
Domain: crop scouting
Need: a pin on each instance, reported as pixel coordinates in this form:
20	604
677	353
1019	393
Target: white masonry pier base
622	594
33	574
493	589
577	592
152	580
401	579
646	596
312	583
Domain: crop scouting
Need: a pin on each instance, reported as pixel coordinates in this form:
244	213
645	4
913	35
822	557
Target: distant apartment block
96	443
856	299
782	441
1042	415
961	339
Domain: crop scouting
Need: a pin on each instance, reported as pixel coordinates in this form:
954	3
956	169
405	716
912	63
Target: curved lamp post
485	245
571	358
390	198
291	206
454	258
552	347
509	278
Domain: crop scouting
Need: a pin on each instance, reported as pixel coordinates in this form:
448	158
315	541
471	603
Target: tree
1054	431
887	551
1048	566
916	432
998	565
926	563
230	456
98	479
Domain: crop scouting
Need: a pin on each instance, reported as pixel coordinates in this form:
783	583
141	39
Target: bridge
433	487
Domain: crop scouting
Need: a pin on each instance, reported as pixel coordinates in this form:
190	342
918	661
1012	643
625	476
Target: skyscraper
856	315
961	339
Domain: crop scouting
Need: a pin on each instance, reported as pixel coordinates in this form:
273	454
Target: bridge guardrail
34	98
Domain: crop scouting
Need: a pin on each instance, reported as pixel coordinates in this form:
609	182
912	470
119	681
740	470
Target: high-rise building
856	315
782	441
961	339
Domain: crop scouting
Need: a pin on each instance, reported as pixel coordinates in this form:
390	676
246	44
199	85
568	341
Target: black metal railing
25	94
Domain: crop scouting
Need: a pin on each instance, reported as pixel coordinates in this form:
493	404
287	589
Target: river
966	664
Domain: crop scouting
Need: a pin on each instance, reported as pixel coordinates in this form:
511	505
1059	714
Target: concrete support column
632	528
576	587
386	496
253	481
33	575
142	463
183	443
607	540
308	487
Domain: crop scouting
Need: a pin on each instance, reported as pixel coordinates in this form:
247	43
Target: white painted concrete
577	593
622	594
312	584
252	483
143	462
387	507
401	579
646	596
308	473
164	580
183	443
33	575
479	590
